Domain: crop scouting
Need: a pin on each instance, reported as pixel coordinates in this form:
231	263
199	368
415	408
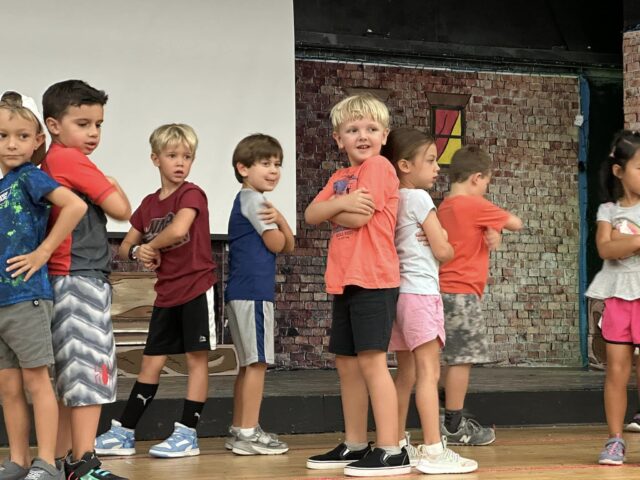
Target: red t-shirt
465	218
187	268
86	250
364	256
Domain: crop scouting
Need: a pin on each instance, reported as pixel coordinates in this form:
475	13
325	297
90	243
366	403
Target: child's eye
25	136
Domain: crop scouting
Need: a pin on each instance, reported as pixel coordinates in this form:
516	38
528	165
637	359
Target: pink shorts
419	319
621	321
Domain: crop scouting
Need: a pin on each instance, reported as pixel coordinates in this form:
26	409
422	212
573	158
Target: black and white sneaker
339	457
379	463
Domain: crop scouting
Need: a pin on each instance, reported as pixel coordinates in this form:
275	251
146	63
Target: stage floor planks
519	453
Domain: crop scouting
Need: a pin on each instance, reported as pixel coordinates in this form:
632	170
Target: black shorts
362	320
189	327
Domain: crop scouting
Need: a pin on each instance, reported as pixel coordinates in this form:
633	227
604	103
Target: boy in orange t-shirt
363	274
473	224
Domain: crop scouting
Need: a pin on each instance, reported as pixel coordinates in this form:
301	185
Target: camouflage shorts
465	330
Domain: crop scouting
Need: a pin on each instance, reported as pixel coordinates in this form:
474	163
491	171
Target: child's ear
336	137
52	125
476	177
403	165
154	159
385	134
39	140
243	170
617	170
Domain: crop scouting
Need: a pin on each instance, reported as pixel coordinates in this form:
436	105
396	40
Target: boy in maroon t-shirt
170	234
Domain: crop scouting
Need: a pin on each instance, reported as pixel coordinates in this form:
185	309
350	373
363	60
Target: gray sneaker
232	438
12	471
41	470
260	443
470	433
613	452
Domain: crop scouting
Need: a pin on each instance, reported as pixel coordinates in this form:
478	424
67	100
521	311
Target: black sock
191	413
140	398
452	420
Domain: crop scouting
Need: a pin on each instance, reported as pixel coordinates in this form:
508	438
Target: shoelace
263	434
447	455
615	449
412	451
475	426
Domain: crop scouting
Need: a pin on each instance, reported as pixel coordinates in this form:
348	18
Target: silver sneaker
260	443
41	470
232	438
12	471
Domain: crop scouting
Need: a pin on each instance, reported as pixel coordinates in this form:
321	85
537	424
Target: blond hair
357	107
171	134
12	101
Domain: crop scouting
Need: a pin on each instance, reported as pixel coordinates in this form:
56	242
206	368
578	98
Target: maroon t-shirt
187	268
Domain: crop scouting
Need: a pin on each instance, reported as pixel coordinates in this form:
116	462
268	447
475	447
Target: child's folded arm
72	208
610	248
437	237
176	230
358	203
116	204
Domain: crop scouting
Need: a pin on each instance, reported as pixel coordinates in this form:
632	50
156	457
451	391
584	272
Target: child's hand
492	238
30	263
147	254
422	237
270	214
359	201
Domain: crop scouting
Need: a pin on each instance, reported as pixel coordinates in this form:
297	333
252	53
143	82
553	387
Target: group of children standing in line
395	267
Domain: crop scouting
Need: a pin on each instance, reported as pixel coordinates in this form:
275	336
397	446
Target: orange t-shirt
364	256
465	218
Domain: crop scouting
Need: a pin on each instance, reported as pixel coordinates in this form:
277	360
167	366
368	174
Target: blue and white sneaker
118	440
613	453
183	442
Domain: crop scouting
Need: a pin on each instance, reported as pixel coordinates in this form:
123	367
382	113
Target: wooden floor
519	453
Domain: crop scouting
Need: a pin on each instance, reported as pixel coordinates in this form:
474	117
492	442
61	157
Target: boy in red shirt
170	234
81	329
473	224
363	274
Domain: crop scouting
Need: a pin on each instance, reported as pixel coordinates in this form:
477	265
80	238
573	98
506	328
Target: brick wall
526	123
631	61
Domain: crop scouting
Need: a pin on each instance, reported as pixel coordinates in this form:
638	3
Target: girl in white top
618	283
418	332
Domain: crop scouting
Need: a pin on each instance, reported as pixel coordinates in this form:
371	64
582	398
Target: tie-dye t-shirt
24	212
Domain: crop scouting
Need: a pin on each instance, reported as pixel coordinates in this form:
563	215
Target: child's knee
10	383
36	380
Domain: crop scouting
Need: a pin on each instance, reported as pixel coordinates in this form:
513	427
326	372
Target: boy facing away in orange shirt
473	224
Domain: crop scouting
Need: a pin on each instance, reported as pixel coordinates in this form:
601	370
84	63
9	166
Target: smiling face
79	127
19	139
263	175
361	139
174	163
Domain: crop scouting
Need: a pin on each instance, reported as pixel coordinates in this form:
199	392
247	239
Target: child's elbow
514	224
444	254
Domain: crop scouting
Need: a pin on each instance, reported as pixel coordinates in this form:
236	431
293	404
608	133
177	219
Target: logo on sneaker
465	438
203	338
197	415
144	400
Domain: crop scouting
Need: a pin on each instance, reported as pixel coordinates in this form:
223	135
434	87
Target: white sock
247	432
403	443
435	449
392	450
356	447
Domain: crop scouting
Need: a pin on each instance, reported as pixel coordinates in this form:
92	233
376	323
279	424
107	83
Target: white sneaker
446	462
412	452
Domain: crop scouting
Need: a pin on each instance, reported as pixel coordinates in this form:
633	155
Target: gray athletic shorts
25	334
465	329
83	343
251	324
